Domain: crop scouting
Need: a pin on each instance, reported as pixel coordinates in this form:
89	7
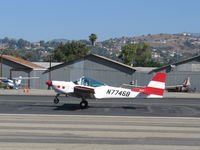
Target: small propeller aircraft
14	82
88	88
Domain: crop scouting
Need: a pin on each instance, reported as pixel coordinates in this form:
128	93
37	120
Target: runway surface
25	132
35	123
109	107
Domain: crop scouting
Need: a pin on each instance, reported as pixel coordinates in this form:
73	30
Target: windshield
86	81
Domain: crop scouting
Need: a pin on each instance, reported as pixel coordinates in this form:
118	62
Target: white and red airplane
14	83
88	88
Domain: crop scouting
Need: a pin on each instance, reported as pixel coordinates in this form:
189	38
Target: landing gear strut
83	103
56	100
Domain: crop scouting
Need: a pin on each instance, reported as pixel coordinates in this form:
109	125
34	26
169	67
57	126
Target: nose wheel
56	100
83	104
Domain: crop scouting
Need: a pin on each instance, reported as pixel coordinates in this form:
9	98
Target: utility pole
2	50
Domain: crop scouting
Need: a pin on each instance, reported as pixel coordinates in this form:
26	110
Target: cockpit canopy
86	81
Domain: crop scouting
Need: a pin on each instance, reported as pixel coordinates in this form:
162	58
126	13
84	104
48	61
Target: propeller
48	83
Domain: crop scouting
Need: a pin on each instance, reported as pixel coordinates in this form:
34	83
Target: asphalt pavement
34	122
165	107
61	132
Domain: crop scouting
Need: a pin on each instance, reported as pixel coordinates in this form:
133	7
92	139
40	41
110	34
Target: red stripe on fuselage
150	90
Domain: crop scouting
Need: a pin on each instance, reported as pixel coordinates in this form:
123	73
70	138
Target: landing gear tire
84	104
56	100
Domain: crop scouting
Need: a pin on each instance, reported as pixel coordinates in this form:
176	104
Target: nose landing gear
56	100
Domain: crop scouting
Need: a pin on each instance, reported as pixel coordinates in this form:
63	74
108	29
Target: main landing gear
83	103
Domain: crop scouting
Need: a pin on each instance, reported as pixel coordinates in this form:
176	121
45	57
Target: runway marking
98	134
100	116
61	146
113	126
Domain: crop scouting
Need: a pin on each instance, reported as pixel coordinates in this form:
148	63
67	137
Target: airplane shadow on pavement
74	107
71	107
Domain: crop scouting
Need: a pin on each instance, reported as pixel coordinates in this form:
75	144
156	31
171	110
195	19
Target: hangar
101	68
115	73
11	66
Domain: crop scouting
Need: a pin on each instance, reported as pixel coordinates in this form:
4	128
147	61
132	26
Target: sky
36	20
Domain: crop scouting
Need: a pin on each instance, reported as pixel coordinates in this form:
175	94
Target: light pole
49	87
50	68
2	50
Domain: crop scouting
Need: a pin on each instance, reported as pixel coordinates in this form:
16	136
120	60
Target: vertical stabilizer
156	87
17	82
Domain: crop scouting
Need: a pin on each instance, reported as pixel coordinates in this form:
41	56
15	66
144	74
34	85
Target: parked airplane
184	87
14	82
88	88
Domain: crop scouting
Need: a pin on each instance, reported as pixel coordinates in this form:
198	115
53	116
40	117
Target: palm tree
93	38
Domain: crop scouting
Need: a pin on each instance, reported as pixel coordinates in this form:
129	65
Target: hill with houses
166	48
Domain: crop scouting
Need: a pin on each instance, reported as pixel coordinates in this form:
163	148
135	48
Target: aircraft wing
172	88
131	86
25	78
84	92
3	78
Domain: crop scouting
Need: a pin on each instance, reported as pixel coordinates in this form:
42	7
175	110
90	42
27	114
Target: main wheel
56	100
84	104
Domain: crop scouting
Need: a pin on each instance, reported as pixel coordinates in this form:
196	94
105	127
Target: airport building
100	68
11	67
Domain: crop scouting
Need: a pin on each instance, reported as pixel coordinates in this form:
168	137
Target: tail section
17	82
156	86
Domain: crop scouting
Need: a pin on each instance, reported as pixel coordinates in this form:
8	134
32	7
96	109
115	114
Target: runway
22	132
34	122
109	107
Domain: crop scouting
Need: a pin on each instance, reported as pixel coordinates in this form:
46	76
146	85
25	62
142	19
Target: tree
28	56
93	38
136	54
42	43
69	51
22	43
5	40
12	53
